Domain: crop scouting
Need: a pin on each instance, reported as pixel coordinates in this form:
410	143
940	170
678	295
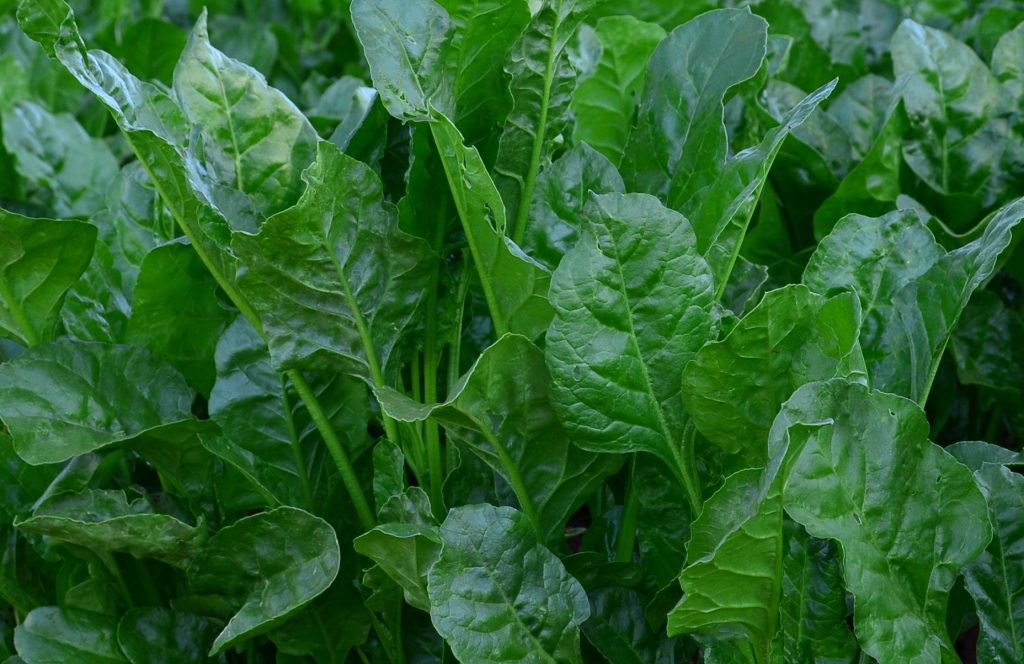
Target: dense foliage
421	331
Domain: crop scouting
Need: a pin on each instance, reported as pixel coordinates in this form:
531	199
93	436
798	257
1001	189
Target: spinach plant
511	331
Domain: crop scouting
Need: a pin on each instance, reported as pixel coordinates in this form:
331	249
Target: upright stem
686	467
348	474
515	479
630	512
293	435
435	462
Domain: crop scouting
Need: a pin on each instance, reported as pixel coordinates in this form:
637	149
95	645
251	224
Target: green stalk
293	436
435	462
515	479
341	460
626	540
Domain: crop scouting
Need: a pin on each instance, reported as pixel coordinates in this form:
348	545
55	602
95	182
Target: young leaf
633	305
268	566
733	388
679	145
333	278
995	579
254	139
55	634
605	101
68	398
497	595
40	259
542	83
107	521
563	189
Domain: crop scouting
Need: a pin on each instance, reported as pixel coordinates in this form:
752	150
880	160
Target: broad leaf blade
52	634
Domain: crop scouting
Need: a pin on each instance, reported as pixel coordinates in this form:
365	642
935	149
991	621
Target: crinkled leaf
633	305
996	579
497	595
333	278
68	398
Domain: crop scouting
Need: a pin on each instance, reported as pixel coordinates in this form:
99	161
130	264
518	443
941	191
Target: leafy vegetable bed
406	331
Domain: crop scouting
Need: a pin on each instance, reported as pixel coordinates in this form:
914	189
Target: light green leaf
733	388
68	398
153	635
56	154
107	521
268	566
857	467
406	552
50	635
605	102
995	579
679	145
563	189
333	278
633	305
254	139
40	259
497	595
731	582
176	313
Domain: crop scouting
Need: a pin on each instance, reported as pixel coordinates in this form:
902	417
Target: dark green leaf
51	634
153	635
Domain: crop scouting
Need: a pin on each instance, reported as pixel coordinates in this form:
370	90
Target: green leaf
950	95
176	313
604	103
51	634
988	345
633	305
995	580
153	635
813	601
912	292
40	259
721	214
679	145
406	552
731	582
107	521
733	388
497	595
55	154
68	398
501	410
542	84
254	140
618	629
562	192
333	278
517	299
857	467
268	566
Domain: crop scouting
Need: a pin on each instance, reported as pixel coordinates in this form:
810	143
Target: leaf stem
686	467
341	460
626	540
435	462
293	435
515	479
